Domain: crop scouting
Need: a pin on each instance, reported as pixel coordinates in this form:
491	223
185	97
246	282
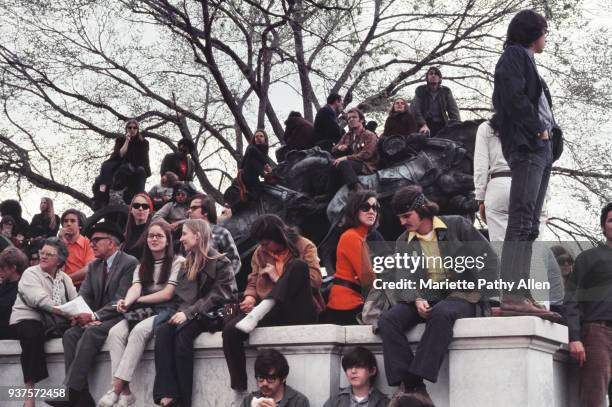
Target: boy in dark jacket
359	364
527	126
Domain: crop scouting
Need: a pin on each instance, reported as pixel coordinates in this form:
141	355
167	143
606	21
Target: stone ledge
484	329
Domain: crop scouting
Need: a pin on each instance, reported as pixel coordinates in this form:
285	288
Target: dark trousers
174	360
345	173
530	176
400	361
341	317
596	371
31	335
81	346
294	306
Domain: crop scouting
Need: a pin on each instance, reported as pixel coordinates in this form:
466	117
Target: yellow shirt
431	251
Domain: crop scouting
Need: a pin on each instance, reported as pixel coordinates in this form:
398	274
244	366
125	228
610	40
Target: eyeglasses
95	240
366	207
142	206
156	237
46	254
269	378
195	207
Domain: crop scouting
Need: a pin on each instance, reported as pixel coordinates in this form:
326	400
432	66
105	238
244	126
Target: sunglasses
366	207
142	206
132	128
565	261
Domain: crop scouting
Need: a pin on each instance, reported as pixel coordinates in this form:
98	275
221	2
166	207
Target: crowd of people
170	275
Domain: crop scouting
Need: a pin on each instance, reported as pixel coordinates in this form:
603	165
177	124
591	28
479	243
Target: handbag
139	314
54	326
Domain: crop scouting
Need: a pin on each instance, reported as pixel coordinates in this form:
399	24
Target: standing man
203	207
271	371
428	235
357	151
326	121
434	106
80	253
107	281
588	303
526	124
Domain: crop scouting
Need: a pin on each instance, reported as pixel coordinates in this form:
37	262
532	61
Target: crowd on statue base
170	274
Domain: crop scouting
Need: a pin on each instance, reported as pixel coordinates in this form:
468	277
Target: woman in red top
353	265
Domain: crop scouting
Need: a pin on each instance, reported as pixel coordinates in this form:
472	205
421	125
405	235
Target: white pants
126	348
496	202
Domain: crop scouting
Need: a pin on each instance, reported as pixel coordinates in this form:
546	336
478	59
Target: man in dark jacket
526	127
359	365
434	106
326	121
438	238
107	281
180	162
588	303
271	371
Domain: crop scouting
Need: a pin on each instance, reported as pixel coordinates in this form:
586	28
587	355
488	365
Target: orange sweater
351	266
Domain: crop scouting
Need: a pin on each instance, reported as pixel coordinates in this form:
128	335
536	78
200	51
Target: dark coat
101	298
326	125
460	238
40	226
137	153
400	124
299	134
213	286
172	162
517	89
343	399
448	106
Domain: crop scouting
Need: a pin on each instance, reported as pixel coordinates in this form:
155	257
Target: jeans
400	361
530	176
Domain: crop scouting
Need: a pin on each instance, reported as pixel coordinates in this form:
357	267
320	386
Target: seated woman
353	266
283	289
130	157
247	186
139	216
41	289
46	223
205	281
7	229
153	286
12	264
401	121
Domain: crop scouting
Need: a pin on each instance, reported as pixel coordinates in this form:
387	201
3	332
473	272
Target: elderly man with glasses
107	281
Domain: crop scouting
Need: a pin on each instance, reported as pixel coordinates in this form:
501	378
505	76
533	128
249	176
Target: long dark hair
271	227
131	223
263	148
350	218
49	214
525	27
147	264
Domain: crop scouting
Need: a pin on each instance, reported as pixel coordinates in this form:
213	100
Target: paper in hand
75	307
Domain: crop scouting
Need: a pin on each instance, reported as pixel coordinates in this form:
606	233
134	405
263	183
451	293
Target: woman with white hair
42	288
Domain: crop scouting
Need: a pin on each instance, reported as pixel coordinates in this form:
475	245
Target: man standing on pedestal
526	126
588	303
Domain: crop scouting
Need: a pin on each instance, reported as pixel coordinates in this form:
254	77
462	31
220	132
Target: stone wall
520	361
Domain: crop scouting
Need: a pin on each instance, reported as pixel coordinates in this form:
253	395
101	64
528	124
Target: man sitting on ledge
439	309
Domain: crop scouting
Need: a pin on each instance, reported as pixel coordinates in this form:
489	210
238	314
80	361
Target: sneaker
109	399
126	400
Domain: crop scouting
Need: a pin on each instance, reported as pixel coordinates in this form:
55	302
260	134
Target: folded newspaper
75	307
